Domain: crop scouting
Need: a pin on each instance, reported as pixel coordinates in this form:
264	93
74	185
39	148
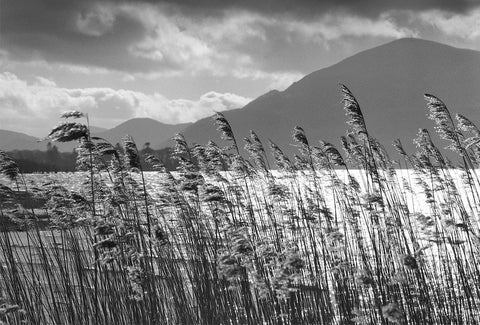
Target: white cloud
33	108
8	63
166	41
233	27
216	43
226	45
41	81
466	26
274	49
335	26
209	103
277	80
223	45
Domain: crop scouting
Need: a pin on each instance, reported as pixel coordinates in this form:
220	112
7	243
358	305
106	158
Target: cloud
165	37
466	26
332	27
277	80
272	42
34	107
166	42
248	45
40	81
312	8
96	22
209	103
251	46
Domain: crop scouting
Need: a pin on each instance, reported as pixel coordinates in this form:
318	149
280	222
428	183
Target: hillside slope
11	140
389	82
143	130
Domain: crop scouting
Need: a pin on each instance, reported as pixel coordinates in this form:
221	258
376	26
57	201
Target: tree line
52	160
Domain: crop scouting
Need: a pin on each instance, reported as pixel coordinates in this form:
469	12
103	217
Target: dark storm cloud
51	30
48	18
82	33
310	8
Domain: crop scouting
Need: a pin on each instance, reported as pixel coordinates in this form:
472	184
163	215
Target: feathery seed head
8	166
281	160
256	142
398	146
465	124
300	136
155	163
332	153
439	113
72	114
132	158
224	127
67	132
353	111
180	146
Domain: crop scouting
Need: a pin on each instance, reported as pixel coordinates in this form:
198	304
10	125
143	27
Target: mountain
11	140
389	82
143	130
97	129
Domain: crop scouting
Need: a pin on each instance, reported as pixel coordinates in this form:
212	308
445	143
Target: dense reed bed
325	238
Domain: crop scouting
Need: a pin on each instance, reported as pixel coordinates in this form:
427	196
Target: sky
180	61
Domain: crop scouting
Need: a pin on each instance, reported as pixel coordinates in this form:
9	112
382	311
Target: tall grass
323	238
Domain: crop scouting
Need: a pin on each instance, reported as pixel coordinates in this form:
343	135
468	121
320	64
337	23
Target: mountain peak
143	129
413	41
418	44
146	122
389	82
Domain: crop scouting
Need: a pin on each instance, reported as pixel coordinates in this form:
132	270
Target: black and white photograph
239	162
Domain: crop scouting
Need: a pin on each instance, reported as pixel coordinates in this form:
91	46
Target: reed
323	238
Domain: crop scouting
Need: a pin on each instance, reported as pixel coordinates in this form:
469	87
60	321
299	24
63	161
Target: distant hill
97	129
10	140
389	82
143	130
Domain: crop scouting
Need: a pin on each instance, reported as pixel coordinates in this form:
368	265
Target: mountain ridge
141	129
389	82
